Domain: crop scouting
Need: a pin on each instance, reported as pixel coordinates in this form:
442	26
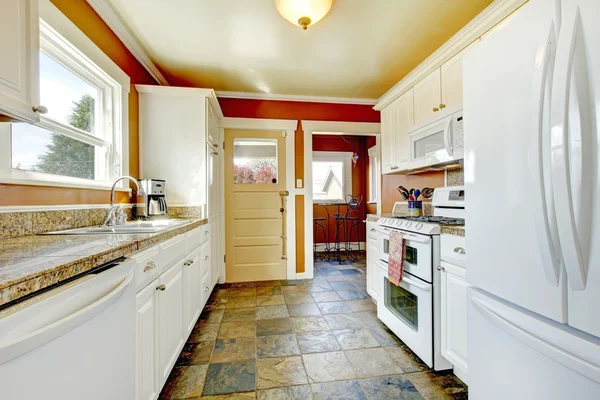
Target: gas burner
437	220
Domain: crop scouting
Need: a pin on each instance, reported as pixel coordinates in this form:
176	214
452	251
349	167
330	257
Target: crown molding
115	23
482	23
294	97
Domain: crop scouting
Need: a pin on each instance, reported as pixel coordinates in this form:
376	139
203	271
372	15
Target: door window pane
70	100
254	161
40	150
402	303
328	180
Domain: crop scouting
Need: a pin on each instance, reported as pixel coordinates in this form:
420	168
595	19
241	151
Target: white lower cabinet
454	317
192	297
146	342
371	261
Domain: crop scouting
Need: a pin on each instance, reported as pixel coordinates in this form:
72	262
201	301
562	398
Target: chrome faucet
115	215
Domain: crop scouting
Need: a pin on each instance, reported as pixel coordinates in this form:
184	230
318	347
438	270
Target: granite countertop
456	230
32	263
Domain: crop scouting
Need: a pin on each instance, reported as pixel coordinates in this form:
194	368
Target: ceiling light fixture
303	12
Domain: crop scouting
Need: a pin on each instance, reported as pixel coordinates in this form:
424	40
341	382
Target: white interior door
513	247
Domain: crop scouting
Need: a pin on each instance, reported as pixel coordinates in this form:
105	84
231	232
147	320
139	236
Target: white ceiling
359	50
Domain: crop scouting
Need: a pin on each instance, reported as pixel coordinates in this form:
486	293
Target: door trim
289	128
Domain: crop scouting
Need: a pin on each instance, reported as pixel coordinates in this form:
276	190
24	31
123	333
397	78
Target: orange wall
86	19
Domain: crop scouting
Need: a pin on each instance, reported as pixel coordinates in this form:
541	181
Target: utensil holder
415	208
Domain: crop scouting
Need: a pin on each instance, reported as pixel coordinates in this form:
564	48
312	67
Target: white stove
412	309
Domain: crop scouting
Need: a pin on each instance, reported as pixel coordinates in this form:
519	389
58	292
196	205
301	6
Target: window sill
372	202
31	182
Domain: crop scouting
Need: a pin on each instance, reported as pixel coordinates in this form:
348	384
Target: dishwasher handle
16	347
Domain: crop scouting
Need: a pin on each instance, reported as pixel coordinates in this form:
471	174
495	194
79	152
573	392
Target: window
332	176
79	141
254	161
374	173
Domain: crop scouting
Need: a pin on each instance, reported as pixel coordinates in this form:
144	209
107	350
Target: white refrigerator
532	177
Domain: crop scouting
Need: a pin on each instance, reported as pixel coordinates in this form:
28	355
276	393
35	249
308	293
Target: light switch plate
299	183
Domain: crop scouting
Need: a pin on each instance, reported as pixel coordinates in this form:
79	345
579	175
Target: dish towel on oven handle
396	257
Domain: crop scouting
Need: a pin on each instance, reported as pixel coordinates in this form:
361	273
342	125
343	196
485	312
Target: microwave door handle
447	139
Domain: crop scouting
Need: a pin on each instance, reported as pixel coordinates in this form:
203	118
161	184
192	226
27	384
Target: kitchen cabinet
427	96
19	66
192	276
452	79
371	258
170	316
454	317
146	342
396	119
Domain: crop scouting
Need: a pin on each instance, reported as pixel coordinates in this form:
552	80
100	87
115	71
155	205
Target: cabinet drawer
206	287
371	234
197	236
172	250
148	266
453	249
205	257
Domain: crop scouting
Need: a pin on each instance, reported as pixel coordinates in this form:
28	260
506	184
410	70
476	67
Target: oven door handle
413	282
415	238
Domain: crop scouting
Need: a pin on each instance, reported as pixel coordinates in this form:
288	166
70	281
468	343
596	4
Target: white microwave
437	141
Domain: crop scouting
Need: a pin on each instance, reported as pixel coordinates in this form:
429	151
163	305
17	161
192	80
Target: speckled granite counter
453	230
32	263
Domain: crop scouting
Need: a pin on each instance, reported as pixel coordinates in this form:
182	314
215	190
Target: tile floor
305	339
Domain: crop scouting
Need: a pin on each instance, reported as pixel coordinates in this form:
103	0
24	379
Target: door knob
161	287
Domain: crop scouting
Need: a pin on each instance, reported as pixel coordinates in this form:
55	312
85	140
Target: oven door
407	310
418	252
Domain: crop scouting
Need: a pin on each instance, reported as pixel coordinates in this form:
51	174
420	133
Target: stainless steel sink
127	228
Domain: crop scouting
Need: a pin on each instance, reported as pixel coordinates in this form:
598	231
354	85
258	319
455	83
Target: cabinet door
147	387
372	269
214	255
428	96
404	118
192	300
19	65
170	318
452	79
454	317
388	154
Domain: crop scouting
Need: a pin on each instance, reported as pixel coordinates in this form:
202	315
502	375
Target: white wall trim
115	23
65	207
486	20
183	91
294	97
259	124
347	128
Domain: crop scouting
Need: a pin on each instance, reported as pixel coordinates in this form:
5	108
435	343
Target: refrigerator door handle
580	356
560	157
548	249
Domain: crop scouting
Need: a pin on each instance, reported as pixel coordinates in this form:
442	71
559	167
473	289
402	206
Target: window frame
335	156
64	43
374	174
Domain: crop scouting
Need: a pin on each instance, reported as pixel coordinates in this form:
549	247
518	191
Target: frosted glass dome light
303	12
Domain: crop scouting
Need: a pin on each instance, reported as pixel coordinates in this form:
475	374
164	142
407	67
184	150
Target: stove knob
400	222
408	224
418	226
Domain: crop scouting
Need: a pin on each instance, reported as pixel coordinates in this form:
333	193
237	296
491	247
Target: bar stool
351	222
319	223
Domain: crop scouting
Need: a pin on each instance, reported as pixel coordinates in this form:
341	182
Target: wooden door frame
309	128
259	124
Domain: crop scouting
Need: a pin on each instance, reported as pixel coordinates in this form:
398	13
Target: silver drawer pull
459	250
373	230
206	232
206	257
161	287
149	265
206	289
440	268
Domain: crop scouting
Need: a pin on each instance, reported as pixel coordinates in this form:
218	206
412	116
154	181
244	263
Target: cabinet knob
440	268
150	265
435	109
372	229
206	289
459	250
206	257
40	109
206	232
161	287
442	106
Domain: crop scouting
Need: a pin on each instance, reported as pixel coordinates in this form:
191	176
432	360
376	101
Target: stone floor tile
298	298
292	282
213	316
352	295
317	342
280	372
301	392
204	332
227	350
343	286
302	310
242	292
225	378
309	324
343	390
326	367
294	289
239	314
344	321
361	305
438	385
406	359
372	362
369	319
233	396
271	312
351	339
184	382
195	353
390	388
275	300
317	287
321	297
349	271
385	337
241	302
268	290
275	326
334	307
237	329
277	346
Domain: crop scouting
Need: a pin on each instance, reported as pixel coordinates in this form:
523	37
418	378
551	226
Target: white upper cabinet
395	120
19	65
452	79
428	97
388	155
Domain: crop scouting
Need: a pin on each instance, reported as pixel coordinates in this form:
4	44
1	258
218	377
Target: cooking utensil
405	190
427	192
403	194
417	193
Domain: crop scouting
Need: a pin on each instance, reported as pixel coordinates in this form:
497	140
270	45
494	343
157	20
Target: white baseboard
304	275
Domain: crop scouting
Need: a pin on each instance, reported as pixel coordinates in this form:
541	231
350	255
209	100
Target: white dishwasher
73	342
